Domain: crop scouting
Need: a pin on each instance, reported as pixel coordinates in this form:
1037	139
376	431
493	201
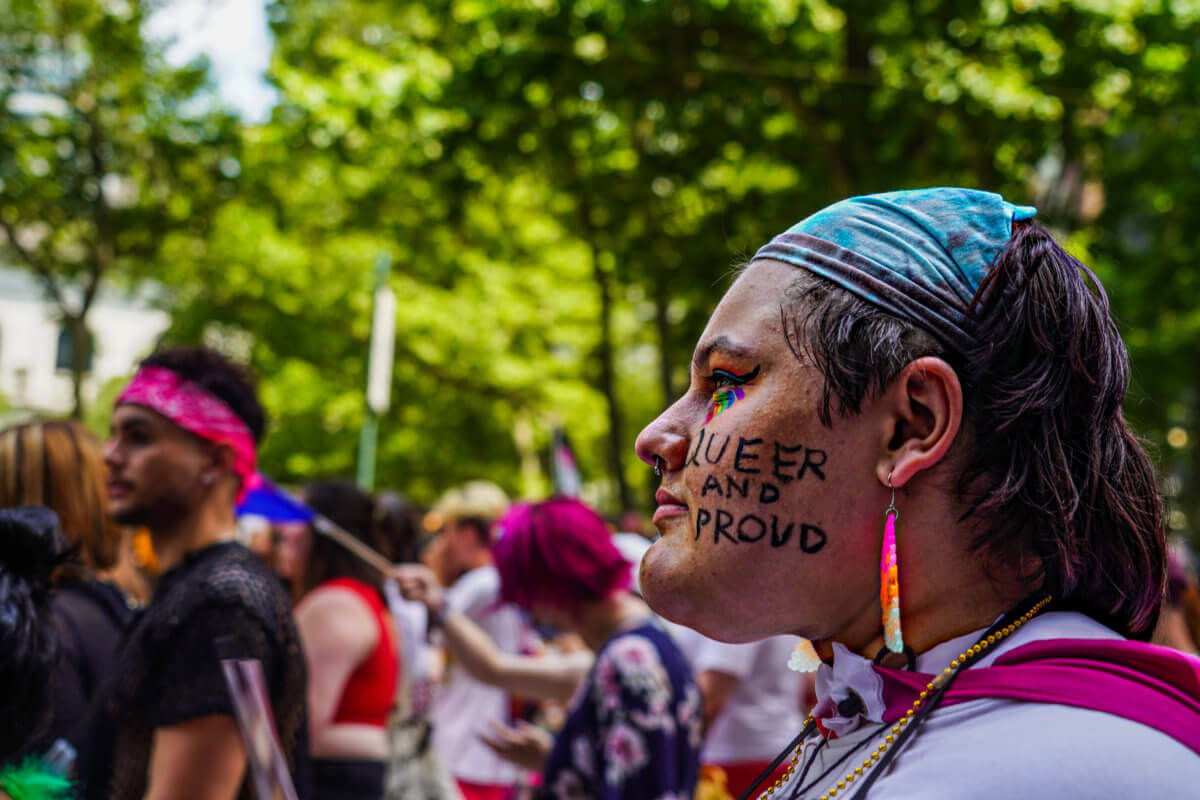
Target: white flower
582	756
607	687
624	752
690	717
640	670
660	720
567	786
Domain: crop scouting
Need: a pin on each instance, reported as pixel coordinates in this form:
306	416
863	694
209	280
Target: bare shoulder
332	599
338	615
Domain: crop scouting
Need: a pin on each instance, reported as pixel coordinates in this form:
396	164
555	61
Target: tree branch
40	270
104	251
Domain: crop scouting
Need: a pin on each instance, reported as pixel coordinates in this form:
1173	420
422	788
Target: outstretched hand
525	745
418	583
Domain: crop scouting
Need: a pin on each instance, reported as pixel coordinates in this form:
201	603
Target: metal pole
379	370
366	451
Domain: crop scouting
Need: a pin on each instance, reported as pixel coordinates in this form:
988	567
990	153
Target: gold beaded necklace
970	653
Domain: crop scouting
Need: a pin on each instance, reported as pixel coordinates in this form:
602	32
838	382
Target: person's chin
124	512
684	589
665	581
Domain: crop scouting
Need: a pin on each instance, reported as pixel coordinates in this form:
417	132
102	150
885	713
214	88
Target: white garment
763	713
760	716
464	708
411	620
1001	749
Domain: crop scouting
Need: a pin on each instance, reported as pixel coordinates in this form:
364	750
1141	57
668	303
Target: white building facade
35	352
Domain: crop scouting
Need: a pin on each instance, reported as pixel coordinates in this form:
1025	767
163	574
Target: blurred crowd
351	645
343	644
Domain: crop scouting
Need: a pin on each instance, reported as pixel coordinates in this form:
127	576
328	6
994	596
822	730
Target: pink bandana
196	410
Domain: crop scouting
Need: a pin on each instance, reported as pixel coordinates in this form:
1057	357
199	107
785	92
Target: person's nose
110	453
667	437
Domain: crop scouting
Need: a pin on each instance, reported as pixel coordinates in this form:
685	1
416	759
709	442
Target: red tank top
368	694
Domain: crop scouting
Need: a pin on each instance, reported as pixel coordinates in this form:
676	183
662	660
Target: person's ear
221	461
923	406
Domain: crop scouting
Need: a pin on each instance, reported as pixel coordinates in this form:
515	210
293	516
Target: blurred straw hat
475	499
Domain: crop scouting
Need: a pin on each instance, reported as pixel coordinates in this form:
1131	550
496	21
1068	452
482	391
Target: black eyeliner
735	378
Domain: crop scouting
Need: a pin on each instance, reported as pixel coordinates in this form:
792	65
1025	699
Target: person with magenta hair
633	726
903	442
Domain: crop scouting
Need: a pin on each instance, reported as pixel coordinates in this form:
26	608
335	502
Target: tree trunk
662	327
79	355
608	380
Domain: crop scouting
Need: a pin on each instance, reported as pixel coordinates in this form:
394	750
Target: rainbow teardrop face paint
729	390
723	399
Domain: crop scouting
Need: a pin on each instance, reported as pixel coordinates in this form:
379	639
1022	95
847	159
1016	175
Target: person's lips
119	488
668	506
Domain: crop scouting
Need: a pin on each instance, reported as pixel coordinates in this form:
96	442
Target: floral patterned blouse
634	727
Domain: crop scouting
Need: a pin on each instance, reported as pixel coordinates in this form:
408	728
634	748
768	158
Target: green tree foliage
494	317
565	185
104	149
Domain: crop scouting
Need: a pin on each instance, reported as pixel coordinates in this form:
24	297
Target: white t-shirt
417	656
762	714
1001	749
464	708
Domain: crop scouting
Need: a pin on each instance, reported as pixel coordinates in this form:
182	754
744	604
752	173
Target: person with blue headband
903	443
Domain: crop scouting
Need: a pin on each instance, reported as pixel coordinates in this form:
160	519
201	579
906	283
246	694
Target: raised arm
536	677
552	677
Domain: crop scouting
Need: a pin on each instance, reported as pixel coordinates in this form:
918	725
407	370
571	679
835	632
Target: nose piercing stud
658	466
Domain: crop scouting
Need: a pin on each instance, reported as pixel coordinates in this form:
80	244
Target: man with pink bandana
181	452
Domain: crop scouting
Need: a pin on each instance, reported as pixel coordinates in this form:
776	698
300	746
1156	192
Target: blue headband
919	254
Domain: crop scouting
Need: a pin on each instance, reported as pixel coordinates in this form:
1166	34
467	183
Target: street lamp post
379	370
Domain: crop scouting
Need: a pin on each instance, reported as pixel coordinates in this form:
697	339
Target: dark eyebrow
135	421
722	344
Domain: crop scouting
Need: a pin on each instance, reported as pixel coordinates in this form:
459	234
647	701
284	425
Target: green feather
33	780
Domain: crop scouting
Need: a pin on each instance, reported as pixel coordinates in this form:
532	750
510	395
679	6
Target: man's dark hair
219	376
482	528
398	525
1052	465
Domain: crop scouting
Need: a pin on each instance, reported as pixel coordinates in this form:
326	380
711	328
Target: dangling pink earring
889	578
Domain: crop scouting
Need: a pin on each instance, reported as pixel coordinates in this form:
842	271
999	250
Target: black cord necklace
903	731
801	790
1022	613
804	733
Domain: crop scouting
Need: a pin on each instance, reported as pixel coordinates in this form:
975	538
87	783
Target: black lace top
168	671
88	617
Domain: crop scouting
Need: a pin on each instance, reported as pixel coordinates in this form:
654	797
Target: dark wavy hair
1052	468
397	526
31	548
354	511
